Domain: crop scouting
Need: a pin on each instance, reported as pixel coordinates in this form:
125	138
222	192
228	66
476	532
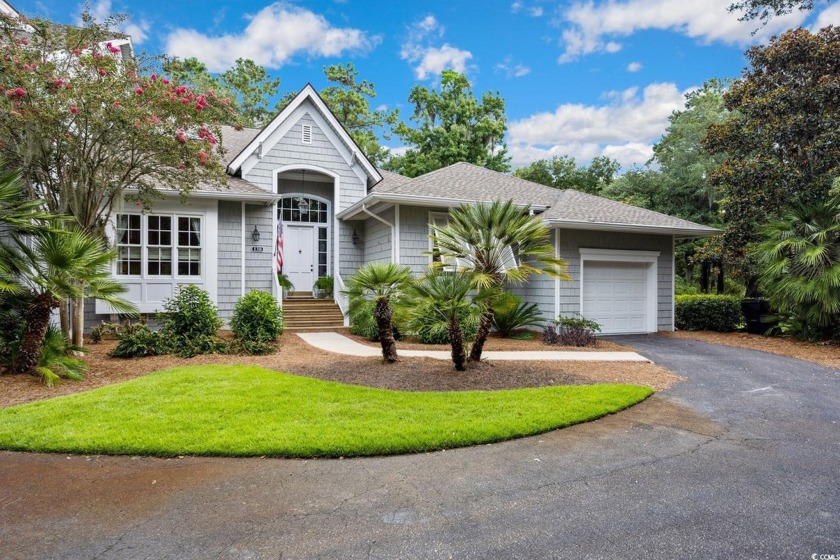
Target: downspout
242	270
390	225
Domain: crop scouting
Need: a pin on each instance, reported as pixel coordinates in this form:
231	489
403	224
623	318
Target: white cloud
101	10
512	69
624	127
591	27
272	37
533	11
829	16
634	66
430	60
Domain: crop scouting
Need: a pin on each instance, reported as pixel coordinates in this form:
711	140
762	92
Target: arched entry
306	233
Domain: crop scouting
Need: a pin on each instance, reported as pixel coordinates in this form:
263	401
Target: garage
618	290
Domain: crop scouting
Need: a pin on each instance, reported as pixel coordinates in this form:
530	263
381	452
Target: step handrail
341	298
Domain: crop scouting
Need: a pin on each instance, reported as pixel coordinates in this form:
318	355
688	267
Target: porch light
255	235
303	205
355	238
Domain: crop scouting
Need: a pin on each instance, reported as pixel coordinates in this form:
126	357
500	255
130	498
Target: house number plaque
257	249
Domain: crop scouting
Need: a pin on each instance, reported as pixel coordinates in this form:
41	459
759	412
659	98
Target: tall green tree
497	243
86	125
350	100
562	172
384	284
780	144
452	125
247	84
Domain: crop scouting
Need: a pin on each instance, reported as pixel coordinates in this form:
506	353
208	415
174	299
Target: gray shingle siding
377	245
572	240
259	266
538	289
414	238
230	257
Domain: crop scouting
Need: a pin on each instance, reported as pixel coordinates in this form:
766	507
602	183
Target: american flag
279	261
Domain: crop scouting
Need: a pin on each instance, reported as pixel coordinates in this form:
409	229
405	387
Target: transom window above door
303	209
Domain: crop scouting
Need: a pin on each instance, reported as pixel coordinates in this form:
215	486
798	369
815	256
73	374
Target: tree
349	99
497	243
247	84
562	172
765	10
84	125
452	126
779	145
383	283
800	267
447	297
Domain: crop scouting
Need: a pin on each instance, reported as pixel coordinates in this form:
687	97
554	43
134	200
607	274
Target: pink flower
165	81
182	138
154	77
74	109
198	107
139	91
20	92
181	89
112	48
181	166
102	72
58	82
116	105
77	52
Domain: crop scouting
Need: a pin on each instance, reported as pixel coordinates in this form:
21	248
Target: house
339	212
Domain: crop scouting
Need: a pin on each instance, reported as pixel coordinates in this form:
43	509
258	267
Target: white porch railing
341	298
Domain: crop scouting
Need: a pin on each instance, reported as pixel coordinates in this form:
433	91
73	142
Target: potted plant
284	283
323	287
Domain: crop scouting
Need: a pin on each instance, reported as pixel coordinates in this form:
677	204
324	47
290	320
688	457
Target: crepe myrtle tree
86	126
498	243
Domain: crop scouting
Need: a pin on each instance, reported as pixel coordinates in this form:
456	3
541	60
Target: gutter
635	228
409	199
268	197
394	239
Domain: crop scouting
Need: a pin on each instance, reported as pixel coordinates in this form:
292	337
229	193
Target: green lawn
242	410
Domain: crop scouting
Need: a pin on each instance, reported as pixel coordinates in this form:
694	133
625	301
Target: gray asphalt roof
465	181
234	141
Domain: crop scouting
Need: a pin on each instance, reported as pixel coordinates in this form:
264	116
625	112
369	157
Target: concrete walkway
340	344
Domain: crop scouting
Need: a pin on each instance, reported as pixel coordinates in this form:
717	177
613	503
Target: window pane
160	262
189	232
189	262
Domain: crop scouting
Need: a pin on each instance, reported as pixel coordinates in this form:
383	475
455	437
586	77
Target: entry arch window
304	209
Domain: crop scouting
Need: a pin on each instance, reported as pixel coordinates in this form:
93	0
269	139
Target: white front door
615	294
299	256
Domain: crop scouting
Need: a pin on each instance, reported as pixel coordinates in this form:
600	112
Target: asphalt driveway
742	460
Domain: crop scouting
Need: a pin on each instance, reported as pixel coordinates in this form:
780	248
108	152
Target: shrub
429	329
56	361
706	312
257	322
571	331
509	314
190	323
137	341
13	309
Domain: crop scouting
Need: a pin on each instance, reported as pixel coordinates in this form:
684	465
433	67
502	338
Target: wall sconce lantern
255	235
355	238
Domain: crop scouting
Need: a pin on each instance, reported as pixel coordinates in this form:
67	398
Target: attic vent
125	52
306	134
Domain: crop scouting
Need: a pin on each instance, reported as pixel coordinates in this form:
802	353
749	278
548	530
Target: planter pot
755	311
318	293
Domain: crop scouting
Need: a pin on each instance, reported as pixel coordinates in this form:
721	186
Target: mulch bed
826	354
409	374
495	342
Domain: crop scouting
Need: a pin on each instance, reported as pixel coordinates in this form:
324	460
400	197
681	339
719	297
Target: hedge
706	312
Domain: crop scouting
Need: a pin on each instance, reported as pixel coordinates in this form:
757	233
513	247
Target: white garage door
615	294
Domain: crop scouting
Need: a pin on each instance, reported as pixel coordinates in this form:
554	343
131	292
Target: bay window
151	246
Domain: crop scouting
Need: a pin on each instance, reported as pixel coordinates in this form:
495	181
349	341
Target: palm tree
447	297
60	265
800	265
382	283
496	242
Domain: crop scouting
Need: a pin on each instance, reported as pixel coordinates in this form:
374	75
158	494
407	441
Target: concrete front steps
303	313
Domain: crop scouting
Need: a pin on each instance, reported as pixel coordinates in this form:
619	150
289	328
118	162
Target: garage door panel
615	294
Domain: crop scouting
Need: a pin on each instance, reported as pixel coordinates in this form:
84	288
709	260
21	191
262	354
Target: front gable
306	134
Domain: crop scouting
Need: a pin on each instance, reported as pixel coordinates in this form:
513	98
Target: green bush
190	323
509	314
706	312
257	322
429	329
57	361
571	331
137	341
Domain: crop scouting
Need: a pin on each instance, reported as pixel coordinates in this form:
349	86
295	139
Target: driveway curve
738	461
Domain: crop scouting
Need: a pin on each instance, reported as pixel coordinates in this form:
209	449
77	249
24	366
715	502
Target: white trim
651	258
397	234
635	228
673	286
308	92
556	278
242	248
387	223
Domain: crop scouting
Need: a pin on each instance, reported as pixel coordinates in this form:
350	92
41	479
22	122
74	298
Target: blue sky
579	78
